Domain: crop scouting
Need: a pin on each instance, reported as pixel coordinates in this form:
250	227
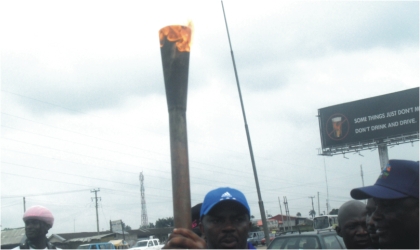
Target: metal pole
361	174
260	202
281	213
319	209
383	155
24	205
96	206
326	182
363	182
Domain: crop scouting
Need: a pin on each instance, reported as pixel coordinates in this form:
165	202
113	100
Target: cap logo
385	172
226	196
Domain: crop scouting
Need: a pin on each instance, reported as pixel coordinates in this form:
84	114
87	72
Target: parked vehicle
321	239
272	236
325	222
119	244
100	245
255	237
150	244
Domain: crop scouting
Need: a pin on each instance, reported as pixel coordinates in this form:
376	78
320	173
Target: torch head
175	51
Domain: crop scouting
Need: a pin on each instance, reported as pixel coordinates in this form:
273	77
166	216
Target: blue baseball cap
218	195
399	179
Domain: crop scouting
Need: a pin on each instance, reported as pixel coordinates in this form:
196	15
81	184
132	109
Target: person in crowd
38	220
195	218
370	224
396	197
352	225
225	223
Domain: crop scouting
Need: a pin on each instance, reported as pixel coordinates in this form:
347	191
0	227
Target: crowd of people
389	219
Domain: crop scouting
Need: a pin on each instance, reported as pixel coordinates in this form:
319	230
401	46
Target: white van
256	237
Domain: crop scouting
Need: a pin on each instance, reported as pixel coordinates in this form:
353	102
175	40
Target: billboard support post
383	155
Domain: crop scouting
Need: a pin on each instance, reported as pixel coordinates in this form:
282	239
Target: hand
185	239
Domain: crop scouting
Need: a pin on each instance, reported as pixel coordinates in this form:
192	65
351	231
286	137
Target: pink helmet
39	213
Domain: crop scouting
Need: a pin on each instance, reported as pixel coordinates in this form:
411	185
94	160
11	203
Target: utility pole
326	182
319	209
361	174
312	198
287	211
96	205
281	212
363	181
24	205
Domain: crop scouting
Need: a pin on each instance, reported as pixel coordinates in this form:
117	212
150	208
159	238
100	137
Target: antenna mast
254	168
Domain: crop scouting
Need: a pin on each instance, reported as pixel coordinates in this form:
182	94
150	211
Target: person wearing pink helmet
38	220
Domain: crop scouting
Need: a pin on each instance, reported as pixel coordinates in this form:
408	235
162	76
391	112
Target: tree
298	214
334	211
151	225
127	227
165	222
312	213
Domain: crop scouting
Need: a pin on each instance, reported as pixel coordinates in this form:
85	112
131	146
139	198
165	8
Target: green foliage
127	227
298	214
165	222
312	213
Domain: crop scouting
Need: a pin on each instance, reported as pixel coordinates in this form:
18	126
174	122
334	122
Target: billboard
116	225
370	119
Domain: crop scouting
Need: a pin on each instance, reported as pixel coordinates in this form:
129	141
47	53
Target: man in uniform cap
38	220
396	195
225	223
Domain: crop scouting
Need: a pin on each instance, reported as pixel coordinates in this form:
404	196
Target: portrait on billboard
337	127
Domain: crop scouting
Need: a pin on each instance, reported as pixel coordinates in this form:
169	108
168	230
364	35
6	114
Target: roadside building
11	238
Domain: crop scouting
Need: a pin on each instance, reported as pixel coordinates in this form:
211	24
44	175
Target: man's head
352	225
396	197
195	218
38	220
225	219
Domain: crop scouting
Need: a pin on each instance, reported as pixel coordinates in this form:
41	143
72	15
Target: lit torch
175	50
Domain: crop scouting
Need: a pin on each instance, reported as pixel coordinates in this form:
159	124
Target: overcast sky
83	103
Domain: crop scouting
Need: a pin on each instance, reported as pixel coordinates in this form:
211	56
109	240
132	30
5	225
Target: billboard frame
354	144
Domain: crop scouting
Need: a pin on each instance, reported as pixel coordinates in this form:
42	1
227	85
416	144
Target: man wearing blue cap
396	195
225	223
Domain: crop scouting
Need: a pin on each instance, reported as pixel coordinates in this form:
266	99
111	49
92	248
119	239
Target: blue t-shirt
250	246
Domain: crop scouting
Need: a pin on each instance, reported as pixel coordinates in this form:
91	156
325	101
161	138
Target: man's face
370	225
396	221
35	229
354	233
226	226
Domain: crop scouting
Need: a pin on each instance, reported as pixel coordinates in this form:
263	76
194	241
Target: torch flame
179	34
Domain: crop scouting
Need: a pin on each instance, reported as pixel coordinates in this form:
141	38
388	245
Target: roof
89	239
56	238
68	236
12	236
297	234
278	217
